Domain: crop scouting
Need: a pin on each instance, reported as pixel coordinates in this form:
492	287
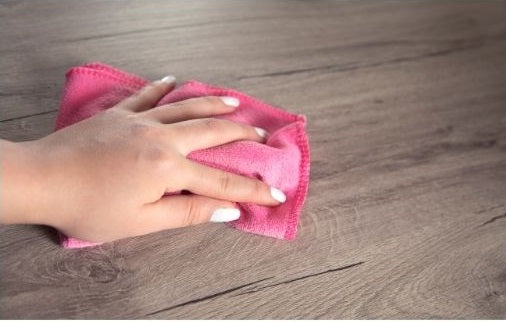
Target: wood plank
406	213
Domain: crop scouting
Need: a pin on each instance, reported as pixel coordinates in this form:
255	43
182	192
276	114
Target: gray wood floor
406	104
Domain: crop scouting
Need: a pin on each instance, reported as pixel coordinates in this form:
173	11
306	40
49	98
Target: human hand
105	177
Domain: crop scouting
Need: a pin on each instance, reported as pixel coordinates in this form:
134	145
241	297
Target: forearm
21	184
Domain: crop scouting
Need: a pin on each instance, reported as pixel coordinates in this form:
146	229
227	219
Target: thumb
180	211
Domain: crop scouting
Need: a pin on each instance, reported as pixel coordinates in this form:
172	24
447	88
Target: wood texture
406	103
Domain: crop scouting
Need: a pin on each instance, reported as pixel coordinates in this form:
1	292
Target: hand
105	178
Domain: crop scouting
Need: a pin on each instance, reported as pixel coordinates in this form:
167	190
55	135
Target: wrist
23	188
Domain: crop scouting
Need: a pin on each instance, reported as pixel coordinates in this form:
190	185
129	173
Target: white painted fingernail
169	79
230	101
278	195
261	132
225	215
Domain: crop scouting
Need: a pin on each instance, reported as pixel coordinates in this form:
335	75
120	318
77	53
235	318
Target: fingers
199	134
148	96
215	183
193	108
180	211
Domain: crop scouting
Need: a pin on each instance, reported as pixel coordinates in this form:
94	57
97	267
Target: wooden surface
406	104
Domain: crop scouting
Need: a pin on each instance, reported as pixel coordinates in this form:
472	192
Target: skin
105	178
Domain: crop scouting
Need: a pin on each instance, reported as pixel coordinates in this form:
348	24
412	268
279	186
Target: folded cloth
282	161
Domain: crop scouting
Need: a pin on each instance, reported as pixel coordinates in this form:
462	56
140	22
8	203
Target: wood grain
405	216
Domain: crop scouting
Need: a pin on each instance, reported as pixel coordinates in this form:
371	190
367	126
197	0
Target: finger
180	211
193	108
215	183
148	96
208	132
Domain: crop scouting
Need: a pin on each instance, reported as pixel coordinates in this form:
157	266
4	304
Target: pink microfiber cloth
282	161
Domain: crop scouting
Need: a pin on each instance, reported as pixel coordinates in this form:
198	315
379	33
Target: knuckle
169	162
154	156
192	213
257	188
247	131
187	107
141	130
164	161
116	113
159	159
212	101
176	105
225	181
212	124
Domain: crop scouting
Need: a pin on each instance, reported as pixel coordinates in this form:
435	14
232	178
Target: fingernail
230	101
225	215
278	195
261	132
169	79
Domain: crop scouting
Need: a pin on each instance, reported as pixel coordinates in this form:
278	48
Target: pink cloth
282	162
